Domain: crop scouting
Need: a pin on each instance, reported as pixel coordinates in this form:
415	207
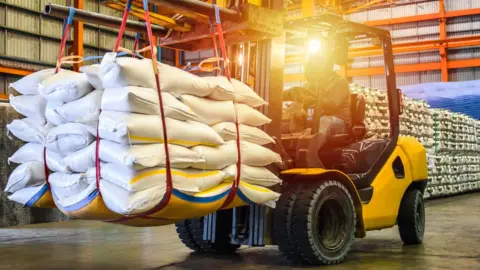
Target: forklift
365	185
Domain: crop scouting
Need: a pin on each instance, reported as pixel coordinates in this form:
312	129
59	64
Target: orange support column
443	46
78	35
177	58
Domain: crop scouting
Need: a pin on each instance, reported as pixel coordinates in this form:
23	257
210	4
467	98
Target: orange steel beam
443	46
156	18
3	96
15	71
426	17
78	35
415	68
366	5
429	45
398	69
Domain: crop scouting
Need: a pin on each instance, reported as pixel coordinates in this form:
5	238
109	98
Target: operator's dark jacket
332	95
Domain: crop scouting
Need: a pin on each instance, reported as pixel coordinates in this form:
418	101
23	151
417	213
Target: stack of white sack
27	183
131	149
200	122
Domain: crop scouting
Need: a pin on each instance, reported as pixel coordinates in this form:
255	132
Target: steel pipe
104	20
198	7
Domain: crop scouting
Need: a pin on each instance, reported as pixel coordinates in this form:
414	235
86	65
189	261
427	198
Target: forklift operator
330	94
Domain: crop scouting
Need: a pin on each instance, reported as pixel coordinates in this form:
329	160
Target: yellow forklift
367	184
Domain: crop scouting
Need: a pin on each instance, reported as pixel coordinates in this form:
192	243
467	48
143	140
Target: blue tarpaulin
461	97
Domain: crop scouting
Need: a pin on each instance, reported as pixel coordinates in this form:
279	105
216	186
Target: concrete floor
452	242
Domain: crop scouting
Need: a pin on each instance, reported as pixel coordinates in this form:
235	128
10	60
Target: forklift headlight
314	46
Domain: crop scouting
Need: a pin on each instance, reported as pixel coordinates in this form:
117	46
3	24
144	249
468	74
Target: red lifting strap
166	197
215	48
66	31
233	191
45	166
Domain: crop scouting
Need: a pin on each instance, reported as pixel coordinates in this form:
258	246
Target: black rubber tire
411	218
190	232
282	224
324	213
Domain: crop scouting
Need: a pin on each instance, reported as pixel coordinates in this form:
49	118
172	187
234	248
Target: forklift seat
358	130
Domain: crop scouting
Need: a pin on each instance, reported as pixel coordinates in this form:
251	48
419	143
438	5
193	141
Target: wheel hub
332	226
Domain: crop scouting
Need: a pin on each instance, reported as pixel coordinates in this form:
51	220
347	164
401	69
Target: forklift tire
282	224
324	221
411	218
190	232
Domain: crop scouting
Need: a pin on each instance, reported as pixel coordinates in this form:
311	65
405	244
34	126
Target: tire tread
303	211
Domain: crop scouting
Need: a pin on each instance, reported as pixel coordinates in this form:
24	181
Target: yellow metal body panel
417	155
382	210
255	2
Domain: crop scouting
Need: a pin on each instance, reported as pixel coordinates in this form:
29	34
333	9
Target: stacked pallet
455	163
452	140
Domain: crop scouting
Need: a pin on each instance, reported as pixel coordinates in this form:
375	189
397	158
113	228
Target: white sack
212	112
123	71
70	189
81	160
92	72
52	115
259	195
65	87
34	152
126	128
245	94
136	99
28	130
28	85
255	194
235	90
28	174
228	94
65	185
24	195
254	175
187	180
124	202
84	109
134	156
222	156
250	117
228	132
32	107
68	138
147	155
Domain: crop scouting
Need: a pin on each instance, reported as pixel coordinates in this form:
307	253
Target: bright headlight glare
314	46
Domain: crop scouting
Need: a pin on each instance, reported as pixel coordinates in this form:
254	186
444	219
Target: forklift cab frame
340	33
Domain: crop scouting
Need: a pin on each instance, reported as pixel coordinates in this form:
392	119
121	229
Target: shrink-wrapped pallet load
118	100
451	140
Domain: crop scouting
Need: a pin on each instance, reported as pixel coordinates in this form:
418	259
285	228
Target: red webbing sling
66	31
236	183
169	183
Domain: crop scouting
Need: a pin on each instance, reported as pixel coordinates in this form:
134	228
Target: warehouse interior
204	160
